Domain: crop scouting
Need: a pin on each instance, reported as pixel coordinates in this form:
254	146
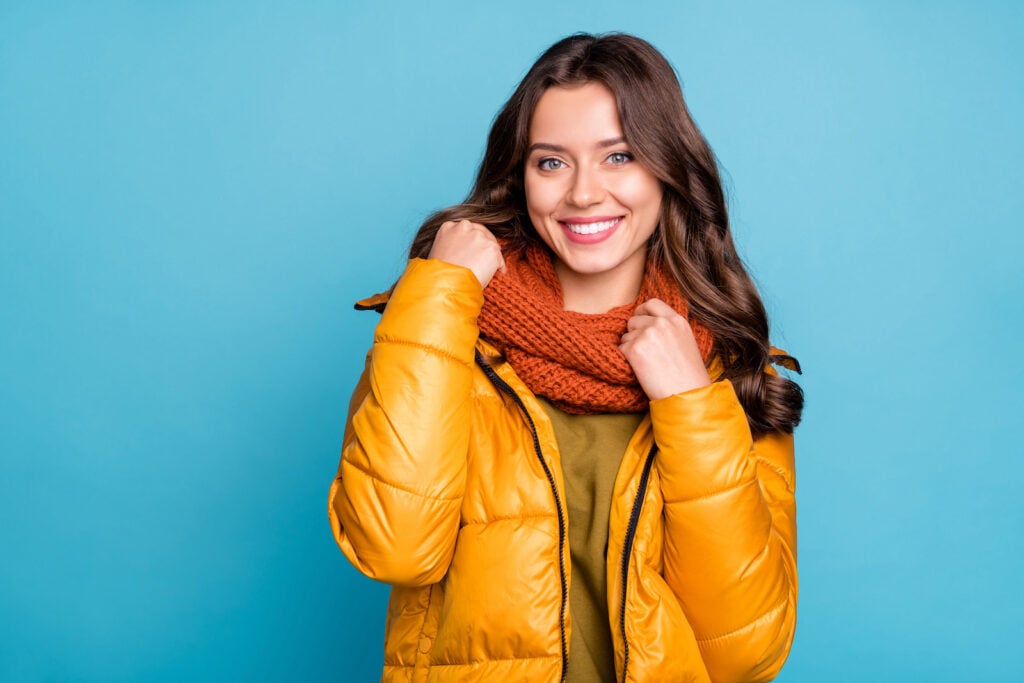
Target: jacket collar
378	302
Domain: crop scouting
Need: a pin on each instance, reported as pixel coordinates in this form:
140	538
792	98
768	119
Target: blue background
193	193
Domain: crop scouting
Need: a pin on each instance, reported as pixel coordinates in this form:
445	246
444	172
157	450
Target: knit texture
572	359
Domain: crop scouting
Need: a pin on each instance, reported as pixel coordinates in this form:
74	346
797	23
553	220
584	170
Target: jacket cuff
705	442
434	304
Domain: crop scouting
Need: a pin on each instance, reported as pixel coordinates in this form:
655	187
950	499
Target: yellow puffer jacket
450	489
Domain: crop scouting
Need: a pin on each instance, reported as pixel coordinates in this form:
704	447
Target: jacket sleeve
395	503
730	530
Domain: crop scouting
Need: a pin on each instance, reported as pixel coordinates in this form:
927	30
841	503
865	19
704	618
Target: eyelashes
555	164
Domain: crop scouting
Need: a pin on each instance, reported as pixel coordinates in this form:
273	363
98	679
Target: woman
568	453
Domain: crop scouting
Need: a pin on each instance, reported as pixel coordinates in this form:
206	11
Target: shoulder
424	277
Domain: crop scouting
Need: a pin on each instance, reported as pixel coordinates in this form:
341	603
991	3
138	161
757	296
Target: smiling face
590	201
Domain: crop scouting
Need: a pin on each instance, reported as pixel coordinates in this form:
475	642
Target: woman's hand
471	245
660	347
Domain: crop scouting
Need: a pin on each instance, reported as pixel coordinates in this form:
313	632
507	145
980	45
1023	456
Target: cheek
642	195
541	196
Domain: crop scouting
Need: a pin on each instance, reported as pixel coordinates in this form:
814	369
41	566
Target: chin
594	265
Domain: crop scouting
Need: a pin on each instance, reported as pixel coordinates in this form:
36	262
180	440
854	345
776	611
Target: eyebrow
610	142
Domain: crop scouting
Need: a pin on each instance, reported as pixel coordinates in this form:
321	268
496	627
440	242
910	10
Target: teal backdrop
192	194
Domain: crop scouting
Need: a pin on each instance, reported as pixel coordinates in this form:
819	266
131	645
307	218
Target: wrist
664	387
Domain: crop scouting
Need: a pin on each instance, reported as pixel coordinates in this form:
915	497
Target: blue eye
619	158
549	164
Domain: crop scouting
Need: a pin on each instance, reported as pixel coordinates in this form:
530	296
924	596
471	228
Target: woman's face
590	201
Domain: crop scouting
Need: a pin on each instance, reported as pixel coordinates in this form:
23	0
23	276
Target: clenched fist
660	347
471	245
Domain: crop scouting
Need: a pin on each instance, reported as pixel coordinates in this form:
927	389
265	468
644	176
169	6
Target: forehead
582	114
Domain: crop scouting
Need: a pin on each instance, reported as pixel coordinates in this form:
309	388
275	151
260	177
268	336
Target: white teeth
591	228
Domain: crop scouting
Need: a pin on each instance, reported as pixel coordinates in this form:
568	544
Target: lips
590	230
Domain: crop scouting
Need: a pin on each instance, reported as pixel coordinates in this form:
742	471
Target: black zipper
627	549
503	386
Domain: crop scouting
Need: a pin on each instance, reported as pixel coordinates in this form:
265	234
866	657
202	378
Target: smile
592	228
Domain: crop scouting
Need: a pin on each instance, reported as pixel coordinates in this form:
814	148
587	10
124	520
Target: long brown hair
693	237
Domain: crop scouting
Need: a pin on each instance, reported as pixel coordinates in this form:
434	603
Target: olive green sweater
591	449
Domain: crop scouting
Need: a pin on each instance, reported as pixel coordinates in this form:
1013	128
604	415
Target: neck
598	292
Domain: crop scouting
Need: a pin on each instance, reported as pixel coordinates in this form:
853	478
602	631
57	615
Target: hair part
693	238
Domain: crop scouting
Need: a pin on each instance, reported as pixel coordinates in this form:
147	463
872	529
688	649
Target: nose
586	189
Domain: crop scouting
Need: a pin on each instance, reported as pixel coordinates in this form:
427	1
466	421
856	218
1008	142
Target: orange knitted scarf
572	359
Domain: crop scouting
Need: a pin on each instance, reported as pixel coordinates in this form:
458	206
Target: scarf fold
572	359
